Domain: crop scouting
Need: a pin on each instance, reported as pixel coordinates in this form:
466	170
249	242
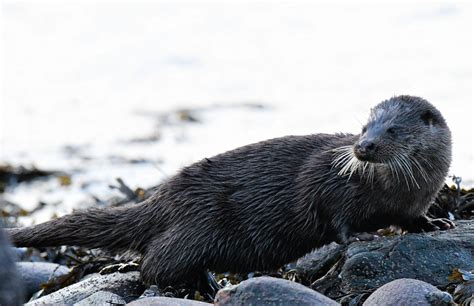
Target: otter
263	205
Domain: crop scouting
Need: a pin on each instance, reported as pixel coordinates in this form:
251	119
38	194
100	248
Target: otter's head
402	126
406	134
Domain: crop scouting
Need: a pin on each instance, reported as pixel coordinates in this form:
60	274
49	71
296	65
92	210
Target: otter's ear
428	117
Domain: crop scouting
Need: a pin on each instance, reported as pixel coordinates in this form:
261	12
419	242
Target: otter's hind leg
173	262
169	261
208	284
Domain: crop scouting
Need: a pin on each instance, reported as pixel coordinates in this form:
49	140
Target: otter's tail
111	228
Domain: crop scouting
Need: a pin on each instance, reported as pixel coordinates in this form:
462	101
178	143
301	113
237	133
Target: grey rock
407	291
33	274
102	298
126	285
11	292
270	291
166	301
365	266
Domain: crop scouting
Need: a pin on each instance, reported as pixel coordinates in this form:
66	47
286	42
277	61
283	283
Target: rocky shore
393	267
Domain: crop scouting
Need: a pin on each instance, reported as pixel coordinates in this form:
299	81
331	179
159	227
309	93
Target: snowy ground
81	81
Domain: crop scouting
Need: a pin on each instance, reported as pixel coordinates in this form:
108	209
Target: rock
28	255
33	274
95	274
407	291
11	292
165	301
270	291
315	263
102	298
365	266
126	285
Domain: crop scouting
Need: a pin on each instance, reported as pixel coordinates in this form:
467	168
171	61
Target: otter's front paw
425	224
443	223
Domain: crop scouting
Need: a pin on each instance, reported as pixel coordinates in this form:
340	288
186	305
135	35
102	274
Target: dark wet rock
33	274
316	264
453	200
270	291
10	175
165	301
126	285
10	284
102	298
362	267
407	291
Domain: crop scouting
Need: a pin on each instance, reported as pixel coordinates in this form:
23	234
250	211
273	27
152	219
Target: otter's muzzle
365	149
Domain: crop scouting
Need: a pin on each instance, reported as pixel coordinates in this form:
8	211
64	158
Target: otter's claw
443	223
425	224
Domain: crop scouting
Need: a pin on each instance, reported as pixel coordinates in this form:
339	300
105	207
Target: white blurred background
87	78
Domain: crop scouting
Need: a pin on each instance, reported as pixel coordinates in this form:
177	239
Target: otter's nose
365	147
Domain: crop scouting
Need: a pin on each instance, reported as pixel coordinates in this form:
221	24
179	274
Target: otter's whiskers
345	159
401	166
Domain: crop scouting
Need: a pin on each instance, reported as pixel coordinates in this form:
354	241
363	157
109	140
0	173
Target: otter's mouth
353	159
364	157
365	151
346	159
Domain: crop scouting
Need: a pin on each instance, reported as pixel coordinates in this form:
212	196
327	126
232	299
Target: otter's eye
391	131
364	129
428	117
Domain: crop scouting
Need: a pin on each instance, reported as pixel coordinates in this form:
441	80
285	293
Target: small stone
406	291
270	291
166	301
102	298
